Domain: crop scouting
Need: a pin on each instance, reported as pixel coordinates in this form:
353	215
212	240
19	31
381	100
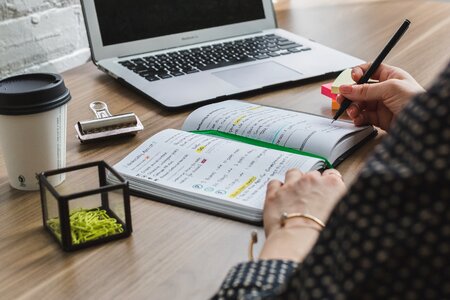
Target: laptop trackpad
258	75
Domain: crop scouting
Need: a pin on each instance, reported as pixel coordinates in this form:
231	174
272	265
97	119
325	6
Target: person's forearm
292	242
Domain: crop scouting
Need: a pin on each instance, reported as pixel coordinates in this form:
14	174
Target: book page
209	166
300	131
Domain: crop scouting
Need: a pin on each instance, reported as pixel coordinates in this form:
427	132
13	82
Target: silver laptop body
123	34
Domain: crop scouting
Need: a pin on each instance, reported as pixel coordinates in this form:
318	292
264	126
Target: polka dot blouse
389	237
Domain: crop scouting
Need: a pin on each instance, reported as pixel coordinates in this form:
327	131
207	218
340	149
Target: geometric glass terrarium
85	209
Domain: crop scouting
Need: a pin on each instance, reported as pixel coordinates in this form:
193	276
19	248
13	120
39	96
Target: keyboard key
284	43
140	68
126	63
273	54
149	59
152	78
164	76
262	56
138	61
145	73
293	45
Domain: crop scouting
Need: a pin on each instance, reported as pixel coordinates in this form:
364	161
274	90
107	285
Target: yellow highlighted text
243	187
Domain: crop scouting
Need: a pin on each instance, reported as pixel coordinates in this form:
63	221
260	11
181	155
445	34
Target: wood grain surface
176	253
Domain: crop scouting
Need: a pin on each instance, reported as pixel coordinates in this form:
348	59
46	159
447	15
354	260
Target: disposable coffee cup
33	127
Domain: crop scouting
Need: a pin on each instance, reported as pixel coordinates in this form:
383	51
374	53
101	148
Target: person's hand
310	193
379	103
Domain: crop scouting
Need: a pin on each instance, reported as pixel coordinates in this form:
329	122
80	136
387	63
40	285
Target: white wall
41	36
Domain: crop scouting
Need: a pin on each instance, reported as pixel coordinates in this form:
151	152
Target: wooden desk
176	253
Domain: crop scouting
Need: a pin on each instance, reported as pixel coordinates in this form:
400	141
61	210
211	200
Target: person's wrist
291	242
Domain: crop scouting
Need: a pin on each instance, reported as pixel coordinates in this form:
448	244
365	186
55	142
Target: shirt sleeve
255	279
389	237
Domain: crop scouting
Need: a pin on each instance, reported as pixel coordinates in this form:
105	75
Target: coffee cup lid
32	93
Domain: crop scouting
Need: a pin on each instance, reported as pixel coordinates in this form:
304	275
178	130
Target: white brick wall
41	36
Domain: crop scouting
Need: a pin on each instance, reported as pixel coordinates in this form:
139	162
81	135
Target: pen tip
333	121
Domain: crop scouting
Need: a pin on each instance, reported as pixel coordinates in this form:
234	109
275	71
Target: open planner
227	152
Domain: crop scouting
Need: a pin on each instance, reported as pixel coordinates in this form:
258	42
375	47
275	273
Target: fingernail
345	89
351	111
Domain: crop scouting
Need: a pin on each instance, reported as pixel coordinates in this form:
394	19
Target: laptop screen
122	21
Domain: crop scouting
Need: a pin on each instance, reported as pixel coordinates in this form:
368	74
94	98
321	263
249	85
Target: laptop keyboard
179	63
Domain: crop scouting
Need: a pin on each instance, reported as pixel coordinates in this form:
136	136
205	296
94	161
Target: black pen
365	78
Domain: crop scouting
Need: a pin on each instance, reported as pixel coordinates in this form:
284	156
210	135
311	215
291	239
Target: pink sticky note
326	90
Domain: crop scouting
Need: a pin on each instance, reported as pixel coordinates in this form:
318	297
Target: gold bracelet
285	216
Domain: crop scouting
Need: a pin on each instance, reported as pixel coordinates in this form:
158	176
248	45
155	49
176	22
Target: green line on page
258	143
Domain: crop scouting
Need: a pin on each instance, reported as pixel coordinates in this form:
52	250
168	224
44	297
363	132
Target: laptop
180	52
